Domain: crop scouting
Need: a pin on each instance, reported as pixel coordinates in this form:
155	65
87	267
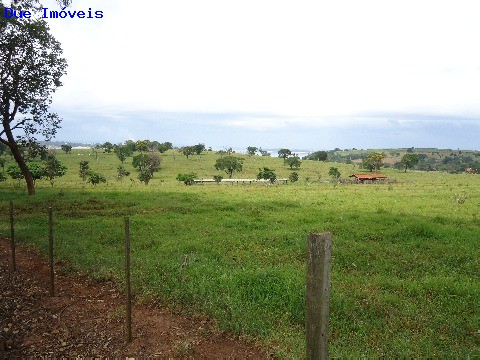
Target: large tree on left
31	65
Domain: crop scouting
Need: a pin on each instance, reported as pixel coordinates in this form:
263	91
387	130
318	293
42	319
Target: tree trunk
23	167
19	158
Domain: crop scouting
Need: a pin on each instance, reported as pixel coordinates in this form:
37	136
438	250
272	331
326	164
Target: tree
31	65
188	179
409	161
294	162
3	161
373	161
122	152
53	168
107	147
188	150
318	156
15	173
36	170
267	174
145	176
334	173
229	164
164	147
66	148
142	145
293	177
251	150
96	178
84	169
150	162
284	153
199	148
121	173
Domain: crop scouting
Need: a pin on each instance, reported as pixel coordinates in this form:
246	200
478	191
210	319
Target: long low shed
238	181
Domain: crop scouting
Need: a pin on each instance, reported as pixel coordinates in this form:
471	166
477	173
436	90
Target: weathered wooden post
50	233
318	294
127	280
12	237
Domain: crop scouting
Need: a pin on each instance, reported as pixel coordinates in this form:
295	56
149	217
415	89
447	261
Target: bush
217	178
187	178
96	178
293	177
3	176
267	174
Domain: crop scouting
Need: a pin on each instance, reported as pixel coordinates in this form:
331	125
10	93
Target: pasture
405	256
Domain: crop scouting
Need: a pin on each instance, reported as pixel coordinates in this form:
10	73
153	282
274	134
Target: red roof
369	176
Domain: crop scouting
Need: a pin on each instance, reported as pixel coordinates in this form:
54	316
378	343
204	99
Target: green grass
405	256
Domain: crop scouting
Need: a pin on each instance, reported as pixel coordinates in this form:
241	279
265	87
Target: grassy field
405	256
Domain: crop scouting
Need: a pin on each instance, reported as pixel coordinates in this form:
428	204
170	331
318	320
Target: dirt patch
86	319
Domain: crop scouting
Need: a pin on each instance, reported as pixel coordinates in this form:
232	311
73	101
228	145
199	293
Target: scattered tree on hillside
373	161
251	150
66	148
122	152
142	145
229	164
267	174
294	162
284	153
165	146
188	179
36	170
15	173
53	168
107	147
84	169
409	161
263	152
121	173
293	177
199	148
334	173
317	155
96	178
150	162
31	65
188	150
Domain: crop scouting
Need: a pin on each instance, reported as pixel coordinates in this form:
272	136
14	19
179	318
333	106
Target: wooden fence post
12	237
127	280
50	237
318	294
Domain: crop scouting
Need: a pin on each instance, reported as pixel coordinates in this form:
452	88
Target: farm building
368	178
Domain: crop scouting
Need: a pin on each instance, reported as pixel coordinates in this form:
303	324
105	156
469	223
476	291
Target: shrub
96	178
187	178
293	177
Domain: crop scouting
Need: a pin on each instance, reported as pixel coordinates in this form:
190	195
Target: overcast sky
298	74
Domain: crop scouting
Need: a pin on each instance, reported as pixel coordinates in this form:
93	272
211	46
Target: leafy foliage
122	172
96	178
267	174
31	65
53	168
294	162
187	178
318	156
284	153
229	164
251	150
373	161
334	173
84	169
409	161
66	148
293	177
